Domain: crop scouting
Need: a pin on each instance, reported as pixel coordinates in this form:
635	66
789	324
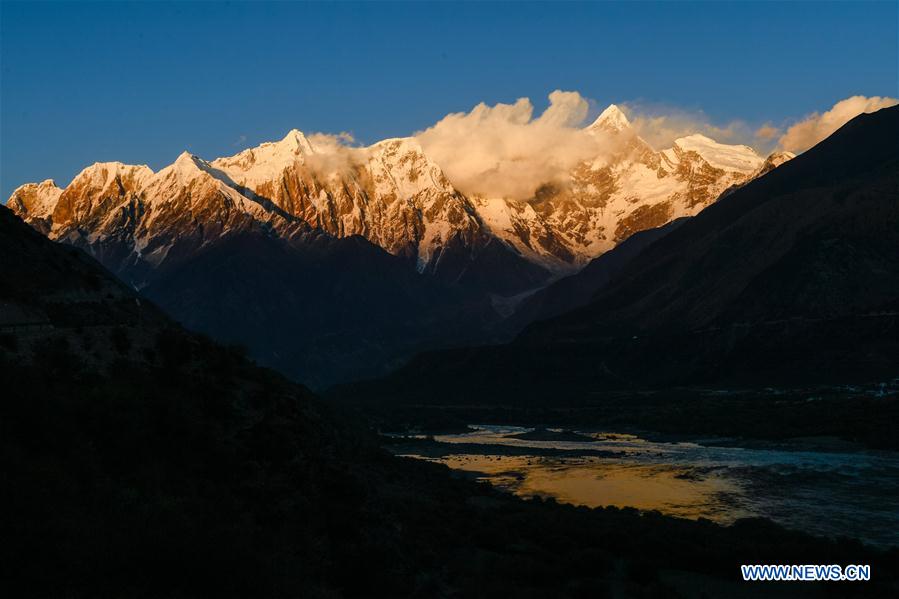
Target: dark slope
790	280
578	289
140	460
319	311
44	285
493	268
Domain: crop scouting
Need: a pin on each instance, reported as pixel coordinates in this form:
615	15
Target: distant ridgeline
333	263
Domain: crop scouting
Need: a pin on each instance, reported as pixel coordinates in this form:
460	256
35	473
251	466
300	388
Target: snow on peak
406	144
101	175
186	167
35	200
265	162
612	119
100	168
402	168
297	142
204	179
742	159
188	163
397	152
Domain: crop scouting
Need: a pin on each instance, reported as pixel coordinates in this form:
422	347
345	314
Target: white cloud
767	132
660	125
503	151
816	127
335	154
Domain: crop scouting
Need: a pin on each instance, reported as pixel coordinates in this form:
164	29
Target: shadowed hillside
140	460
578	289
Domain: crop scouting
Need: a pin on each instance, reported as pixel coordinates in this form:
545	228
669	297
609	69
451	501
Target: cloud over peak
507	151
504	151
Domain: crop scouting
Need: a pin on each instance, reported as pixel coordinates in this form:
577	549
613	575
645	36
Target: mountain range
141	459
392	194
335	263
790	281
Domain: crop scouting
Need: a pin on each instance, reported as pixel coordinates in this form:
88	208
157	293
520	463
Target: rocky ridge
392	194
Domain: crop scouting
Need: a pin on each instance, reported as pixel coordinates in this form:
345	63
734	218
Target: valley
449	300
376	241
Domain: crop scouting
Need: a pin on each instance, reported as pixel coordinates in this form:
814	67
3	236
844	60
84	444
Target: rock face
607	200
390	194
35	202
395	196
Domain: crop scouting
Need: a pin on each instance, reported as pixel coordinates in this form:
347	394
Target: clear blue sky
140	82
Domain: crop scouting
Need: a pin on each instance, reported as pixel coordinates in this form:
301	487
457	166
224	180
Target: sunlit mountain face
336	262
584	198
451	300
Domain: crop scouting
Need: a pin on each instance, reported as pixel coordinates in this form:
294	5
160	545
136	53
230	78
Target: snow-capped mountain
606	201
393	194
35	202
312	253
390	193
131	218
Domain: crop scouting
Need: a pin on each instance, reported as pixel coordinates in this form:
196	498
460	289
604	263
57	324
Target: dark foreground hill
139	460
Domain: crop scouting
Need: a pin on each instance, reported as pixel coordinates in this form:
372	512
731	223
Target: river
829	492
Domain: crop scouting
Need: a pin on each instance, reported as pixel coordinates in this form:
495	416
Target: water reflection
830	493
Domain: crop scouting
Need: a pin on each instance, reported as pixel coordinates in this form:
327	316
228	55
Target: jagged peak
34	199
190	163
612	119
48	184
185	157
189	170
186	166
392	151
114	165
268	159
103	173
190	166
297	141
